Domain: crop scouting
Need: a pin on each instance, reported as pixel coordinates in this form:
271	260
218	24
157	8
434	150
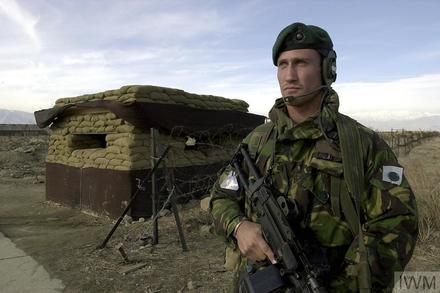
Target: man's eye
282	64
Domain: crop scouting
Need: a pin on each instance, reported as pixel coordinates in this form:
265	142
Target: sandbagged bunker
100	144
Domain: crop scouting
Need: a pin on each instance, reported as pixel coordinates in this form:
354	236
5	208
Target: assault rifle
293	271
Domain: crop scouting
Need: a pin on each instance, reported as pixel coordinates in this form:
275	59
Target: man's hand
251	242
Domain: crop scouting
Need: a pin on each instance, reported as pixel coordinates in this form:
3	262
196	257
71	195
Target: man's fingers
258	257
268	252
255	252
251	242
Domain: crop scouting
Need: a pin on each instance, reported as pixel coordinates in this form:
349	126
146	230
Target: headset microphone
296	100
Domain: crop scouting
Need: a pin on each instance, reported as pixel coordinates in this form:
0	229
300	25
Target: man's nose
291	73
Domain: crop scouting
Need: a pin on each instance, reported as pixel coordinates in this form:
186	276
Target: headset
328	65
328	68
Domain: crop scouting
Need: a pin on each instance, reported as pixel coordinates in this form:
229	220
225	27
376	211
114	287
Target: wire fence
402	141
21	130
197	182
193	168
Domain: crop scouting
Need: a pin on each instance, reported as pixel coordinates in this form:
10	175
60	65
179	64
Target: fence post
392	139
153	152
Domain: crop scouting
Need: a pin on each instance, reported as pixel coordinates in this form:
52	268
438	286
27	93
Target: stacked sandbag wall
101	140
154	94
84	139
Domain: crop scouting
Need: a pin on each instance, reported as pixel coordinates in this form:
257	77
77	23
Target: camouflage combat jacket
304	163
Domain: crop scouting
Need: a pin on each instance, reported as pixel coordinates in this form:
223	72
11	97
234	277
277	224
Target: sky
388	51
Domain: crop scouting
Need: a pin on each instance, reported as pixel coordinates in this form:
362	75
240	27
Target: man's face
299	71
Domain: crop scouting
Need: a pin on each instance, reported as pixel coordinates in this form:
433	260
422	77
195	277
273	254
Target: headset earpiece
329	68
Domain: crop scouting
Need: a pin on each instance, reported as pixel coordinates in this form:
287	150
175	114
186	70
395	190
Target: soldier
311	154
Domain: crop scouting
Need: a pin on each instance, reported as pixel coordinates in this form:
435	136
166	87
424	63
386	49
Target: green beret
301	36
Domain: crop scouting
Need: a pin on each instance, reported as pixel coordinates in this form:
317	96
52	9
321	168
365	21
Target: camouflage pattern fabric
303	162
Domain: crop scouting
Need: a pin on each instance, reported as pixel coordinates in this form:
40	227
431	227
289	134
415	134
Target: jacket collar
311	127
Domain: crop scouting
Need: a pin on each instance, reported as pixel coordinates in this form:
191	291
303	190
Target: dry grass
423	173
427	191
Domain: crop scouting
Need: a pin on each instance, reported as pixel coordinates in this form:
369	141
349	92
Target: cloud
410	97
413	97
133	42
70	25
185	24
259	96
41	82
423	55
416	94
108	57
205	48
22	18
37	85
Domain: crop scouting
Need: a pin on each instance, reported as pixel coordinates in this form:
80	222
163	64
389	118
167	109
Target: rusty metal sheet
63	184
107	192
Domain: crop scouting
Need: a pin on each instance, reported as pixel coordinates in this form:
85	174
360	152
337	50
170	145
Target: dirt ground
64	240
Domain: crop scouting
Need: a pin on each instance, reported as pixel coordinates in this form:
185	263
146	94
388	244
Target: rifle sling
336	189
353	166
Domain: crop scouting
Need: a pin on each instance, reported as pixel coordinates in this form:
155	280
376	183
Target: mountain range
399	120
425	123
16	117
375	120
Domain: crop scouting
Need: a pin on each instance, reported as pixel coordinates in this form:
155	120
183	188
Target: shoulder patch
392	174
230	182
